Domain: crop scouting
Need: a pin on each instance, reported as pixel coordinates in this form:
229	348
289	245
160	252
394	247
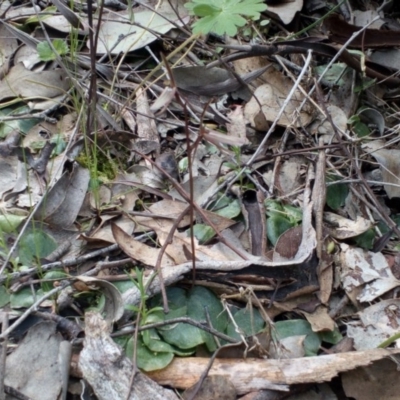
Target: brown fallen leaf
138	251
341	31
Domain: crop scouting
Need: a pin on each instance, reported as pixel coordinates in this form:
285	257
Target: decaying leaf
73	128
285	10
119	35
389	164
377	323
271	97
148	140
366	270
343	228
22	83
379	380
8	45
65	198
136	250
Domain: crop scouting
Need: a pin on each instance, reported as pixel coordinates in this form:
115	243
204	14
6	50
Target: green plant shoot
225	17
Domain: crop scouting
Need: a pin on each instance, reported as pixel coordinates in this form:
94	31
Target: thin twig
3	354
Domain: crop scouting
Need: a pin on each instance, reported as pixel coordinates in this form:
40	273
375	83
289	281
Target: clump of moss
101	167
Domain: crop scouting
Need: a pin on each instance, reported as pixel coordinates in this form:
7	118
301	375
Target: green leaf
183	165
298	327
365	84
202	10
361	130
97	302
183	353
123	286
9	222
60	144
334	74
4	296
203	233
46	13
195	305
332	337
183	336
46	53
293	214
22	299
202	303
154	343
232	210
56	274
366	239
336	194
35	245
249	321
353	119
122	341
384	228
273	207
148	360
276	225
154	315
21	125
226	16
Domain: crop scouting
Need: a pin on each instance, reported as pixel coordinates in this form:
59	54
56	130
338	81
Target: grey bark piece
34	368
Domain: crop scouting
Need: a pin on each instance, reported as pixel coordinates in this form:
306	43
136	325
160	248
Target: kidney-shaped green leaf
202	303
148	360
35	245
249	322
297	327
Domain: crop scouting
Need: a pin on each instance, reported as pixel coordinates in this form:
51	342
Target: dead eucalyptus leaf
254	213
20	82
138	251
148	139
8	46
389	164
71	17
377	323
67	198
285	10
237	128
344	228
119	34
271	96
288	244
369	272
